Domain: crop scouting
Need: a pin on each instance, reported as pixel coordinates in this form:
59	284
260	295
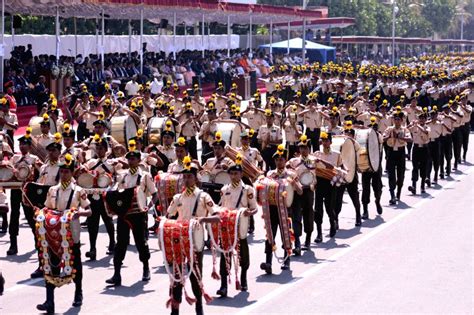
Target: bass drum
23	172
231	130
104	180
154	128
273	187
122	128
86	180
368	158
6	173
204	177
34	123
171	228
345	146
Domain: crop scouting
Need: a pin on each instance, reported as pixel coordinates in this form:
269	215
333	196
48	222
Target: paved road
415	258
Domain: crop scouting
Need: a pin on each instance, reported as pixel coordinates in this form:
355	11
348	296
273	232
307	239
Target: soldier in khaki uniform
269	137
189	129
420	134
181	151
326	192
436	129
61	197
281	172
313	121
218	163
447	120
293	132
24	158
396	137
208	129
234	196
191	203
304	204
137	222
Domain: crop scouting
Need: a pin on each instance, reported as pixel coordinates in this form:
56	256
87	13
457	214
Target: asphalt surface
414	258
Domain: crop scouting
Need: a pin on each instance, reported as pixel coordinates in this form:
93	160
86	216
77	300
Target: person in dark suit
41	93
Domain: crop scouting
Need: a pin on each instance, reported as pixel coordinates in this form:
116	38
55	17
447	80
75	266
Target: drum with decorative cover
273	191
168	185
345	146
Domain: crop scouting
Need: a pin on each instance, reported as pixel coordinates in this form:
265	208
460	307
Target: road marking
310	272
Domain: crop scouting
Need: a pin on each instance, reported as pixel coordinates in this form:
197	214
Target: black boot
199	310
251	225
111	248
393	200
92	254
243	280
2	283
365	214
223	289
399	193
379	207
38	273
286	263
358	218
13	250
267	265
174	311
297	250
47	306
307	242
77	297
423	191
146	272
116	279
319	237
333	229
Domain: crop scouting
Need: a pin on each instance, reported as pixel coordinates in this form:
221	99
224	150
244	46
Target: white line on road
283	288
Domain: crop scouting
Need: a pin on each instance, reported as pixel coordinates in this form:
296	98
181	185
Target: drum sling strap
101	163
196	204
69	201
240	198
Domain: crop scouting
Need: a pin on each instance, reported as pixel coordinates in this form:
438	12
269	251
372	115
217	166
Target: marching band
288	158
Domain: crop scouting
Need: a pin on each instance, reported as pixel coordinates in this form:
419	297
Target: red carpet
24	113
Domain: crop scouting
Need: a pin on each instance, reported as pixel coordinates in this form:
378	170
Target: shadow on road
237	301
127	291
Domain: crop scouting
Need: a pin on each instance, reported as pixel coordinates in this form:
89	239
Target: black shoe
111	249
38	273
297	251
306	245
2	283
336	225
358	222
379	207
13	250
207	244
332	230
244	287
423	191
45	307
428	182
412	189
393	201
285	265
266	267
318	238
146	274
116	281
222	292
153	228
251	230
3	229
92	254
365	215
77	299
441	176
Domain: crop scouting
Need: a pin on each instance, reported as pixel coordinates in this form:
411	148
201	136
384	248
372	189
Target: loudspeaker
17	21
163	23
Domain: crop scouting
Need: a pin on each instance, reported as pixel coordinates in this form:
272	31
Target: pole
174	35
129	38
202	35
57	35
75	36
102	45
13	31
97	36
462	31
228	36
141	40
303	52
393	32
250	36
2	49
288	47
271	41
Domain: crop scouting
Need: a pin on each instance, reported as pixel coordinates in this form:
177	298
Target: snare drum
23	172
274	191
103	180
6	173
86	180
307	178
222	178
231	131
204	177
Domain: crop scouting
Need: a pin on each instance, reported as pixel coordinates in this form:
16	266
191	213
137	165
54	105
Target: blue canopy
314	51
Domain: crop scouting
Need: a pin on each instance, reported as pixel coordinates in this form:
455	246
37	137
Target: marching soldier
234	196
436	129
326	192
137	222
304	165
281	172
292	134
208	129
181	151
396	137
269	137
313	120
32	162
100	165
420	134
61	197
447	120
374	177
191	203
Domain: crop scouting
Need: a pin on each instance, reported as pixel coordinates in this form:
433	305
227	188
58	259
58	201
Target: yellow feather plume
187	162
57	137
218	136
68	159
238	159
139	133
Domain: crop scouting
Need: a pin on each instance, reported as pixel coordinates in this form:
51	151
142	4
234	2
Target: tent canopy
314	51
